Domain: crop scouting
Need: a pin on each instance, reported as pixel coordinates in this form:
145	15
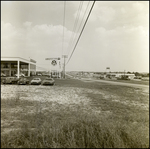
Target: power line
81	32
63	26
82	19
83	15
75	24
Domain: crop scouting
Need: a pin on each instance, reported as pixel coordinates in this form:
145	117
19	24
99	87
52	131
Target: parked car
45	74
48	81
10	80
101	77
55	76
23	81
3	75
20	75
36	81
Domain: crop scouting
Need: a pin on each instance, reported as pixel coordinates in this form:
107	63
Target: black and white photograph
74	74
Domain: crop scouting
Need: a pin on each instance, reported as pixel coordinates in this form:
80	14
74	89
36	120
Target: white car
3	75
20	75
36	81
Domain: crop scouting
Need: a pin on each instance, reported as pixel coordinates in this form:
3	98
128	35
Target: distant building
120	75
11	66
113	75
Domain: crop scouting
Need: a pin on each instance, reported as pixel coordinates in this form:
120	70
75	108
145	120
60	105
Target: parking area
27	80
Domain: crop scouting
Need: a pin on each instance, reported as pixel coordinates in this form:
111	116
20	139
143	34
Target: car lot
28	80
10	80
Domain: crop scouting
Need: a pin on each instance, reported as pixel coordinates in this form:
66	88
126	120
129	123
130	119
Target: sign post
107	68
53	61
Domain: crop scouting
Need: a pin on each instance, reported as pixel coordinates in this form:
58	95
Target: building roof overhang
17	59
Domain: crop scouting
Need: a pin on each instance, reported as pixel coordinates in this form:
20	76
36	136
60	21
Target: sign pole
64	56
53	62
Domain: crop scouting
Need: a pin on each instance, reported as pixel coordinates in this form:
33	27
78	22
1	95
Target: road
122	82
117	83
135	85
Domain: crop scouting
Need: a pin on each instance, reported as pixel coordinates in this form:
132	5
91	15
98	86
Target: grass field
106	117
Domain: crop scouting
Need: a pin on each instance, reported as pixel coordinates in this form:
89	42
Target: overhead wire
81	32
75	24
83	16
81	21
63	26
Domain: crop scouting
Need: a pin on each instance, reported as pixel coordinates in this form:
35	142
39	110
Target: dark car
23	81
36	81
10	80
20	75
48	81
3	77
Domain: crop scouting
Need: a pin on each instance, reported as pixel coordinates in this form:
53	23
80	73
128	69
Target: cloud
38	42
115	35
27	24
138	6
106	14
126	46
7	29
113	14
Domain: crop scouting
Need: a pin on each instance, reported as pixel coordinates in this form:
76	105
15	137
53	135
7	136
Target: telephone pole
64	56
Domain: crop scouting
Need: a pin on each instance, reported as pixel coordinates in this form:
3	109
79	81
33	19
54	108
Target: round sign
54	62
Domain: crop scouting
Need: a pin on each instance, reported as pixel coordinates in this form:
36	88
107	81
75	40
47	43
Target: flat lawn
74	114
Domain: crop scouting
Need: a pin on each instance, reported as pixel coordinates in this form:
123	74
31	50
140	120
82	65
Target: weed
74	130
51	125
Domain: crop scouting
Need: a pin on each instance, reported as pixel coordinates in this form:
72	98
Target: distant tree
128	72
137	74
147	74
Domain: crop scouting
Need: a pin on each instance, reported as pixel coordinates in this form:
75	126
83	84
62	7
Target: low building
119	76
130	76
11	66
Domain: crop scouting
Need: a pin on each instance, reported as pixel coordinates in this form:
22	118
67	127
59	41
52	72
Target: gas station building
16	65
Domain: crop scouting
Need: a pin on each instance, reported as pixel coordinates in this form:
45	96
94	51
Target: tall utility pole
64	56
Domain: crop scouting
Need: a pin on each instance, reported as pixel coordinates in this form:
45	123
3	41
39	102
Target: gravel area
67	96
62	95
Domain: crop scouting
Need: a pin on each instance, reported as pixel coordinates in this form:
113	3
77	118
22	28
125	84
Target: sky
116	34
